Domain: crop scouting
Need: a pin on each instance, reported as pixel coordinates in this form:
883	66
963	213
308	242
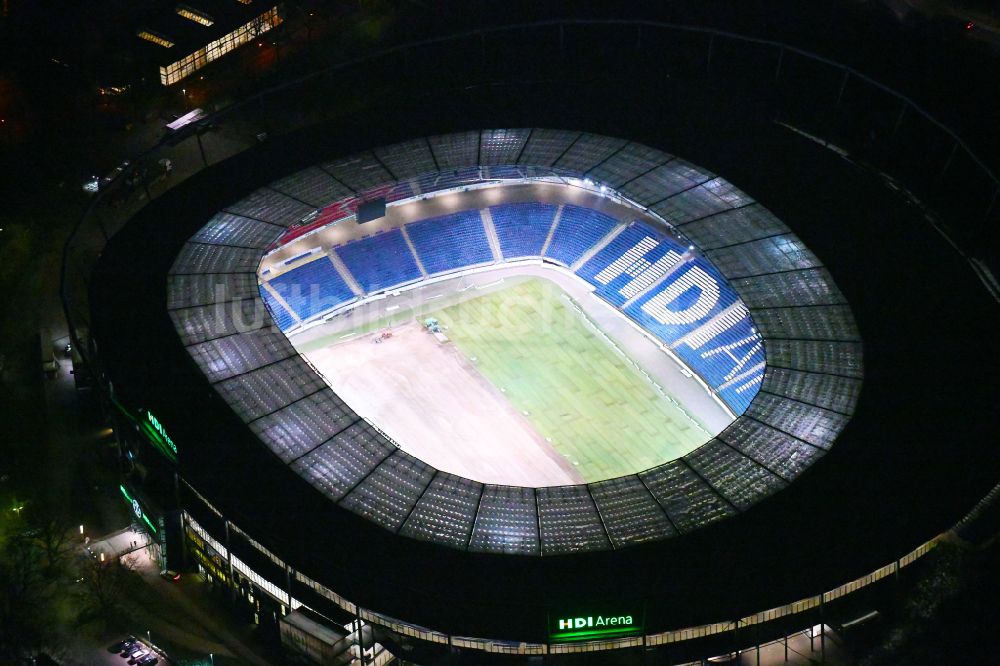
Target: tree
105	581
25	593
52	529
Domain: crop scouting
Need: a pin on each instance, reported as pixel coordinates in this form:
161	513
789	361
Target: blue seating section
522	228
450	242
681	303
312	288
631	262
281	316
693	310
732	362
381	261
577	231
690	311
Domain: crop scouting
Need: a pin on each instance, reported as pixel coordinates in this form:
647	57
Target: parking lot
180	618
146	651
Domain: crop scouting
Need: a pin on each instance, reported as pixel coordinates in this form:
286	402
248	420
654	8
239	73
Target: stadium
493	250
521	379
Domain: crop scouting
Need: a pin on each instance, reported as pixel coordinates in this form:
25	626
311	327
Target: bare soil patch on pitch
438	407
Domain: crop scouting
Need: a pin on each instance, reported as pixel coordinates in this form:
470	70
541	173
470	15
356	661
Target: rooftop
189	26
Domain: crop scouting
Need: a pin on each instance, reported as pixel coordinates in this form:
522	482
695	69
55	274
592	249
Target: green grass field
579	391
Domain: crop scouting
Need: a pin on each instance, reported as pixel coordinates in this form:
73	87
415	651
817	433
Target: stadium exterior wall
707	640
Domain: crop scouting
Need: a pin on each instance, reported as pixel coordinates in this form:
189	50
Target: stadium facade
277	490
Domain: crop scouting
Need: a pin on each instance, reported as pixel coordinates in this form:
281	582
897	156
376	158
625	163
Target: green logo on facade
161	431
594	626
600	622
137	509
154	431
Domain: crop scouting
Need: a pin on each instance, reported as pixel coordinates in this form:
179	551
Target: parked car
170	574
149	660
123	644
132	650
137	655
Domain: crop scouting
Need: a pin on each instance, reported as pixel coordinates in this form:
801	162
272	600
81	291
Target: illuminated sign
593	626
140	513
153	430
157	435
158	427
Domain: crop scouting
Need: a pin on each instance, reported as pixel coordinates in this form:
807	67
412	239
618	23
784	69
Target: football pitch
579	391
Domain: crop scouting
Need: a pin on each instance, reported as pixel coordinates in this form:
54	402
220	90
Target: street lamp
211	658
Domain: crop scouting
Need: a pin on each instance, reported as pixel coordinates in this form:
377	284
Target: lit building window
194	15
174	72
155	38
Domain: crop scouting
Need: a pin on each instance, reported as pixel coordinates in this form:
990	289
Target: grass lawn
581	393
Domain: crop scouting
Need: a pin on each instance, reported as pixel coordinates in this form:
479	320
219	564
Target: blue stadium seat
732	362
522	227
631	262
312	288
697	313
693	310
281	316
450	242
380	262
578	229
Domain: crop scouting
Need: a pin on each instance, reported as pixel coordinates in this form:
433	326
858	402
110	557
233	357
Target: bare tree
25	593
35	543
105	582
52	529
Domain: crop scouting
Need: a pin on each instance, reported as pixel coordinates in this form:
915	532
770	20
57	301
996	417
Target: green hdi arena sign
594	626
157	434
151	428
